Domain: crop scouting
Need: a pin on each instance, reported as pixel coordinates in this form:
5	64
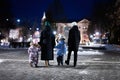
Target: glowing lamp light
37	29
54	32
91	36
97	33
18	20
37	34
7	19
30	28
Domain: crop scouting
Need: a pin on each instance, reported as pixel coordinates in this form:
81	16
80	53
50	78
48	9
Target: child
33	54
61	50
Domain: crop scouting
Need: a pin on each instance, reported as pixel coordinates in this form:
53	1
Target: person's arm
69	38
79	36
29	50
65	48
41	39
58	46
53	41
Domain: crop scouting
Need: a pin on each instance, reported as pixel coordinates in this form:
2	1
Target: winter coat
74	39
61	48
47	43
33	53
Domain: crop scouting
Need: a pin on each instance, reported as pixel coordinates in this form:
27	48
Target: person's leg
30	60
31	63
61	57
68	58
46	63
58	60
36	61
75	58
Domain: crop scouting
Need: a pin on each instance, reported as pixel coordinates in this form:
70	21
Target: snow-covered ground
107	47
112	47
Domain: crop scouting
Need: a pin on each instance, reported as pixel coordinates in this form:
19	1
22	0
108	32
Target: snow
112	47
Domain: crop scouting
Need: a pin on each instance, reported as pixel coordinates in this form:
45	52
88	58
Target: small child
61	50
33	54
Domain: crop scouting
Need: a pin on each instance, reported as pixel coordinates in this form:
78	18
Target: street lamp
97	33
7	19
91	36
37	29
54	32
18	20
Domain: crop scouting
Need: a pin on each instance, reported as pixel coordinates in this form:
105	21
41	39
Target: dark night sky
73	9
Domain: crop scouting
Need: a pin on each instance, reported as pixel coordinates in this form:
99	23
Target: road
91	65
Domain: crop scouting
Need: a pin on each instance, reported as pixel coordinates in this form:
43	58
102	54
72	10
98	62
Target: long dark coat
47	42
74	39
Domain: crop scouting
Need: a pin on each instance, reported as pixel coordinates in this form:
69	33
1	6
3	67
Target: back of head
34	44
31	44
47	25
74	23
75	27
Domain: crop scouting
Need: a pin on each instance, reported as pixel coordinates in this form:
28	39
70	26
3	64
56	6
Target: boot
67	62
31	65
36	65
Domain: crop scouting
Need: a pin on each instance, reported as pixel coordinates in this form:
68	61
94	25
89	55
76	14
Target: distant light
7	19
97	33
91	36
18	20
54	32
37	29
37	34
30	28
30	35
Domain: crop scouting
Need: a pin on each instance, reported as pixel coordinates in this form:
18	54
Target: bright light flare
54	32
18	20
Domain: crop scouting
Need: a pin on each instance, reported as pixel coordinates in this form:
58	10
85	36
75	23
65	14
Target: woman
47	42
